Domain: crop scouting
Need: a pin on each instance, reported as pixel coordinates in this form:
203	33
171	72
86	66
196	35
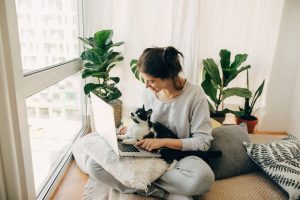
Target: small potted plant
246	114
216	80
99	59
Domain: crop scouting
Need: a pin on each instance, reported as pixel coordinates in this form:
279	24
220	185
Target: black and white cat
141	127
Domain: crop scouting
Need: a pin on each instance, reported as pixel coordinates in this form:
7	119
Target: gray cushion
234	160
281	161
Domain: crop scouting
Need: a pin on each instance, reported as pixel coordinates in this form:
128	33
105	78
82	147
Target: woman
182	107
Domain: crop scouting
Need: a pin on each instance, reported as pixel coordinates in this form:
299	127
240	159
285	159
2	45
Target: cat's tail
172	154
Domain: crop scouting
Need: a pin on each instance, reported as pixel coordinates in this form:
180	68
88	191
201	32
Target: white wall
282	84
294	119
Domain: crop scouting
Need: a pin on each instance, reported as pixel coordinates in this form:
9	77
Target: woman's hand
150	144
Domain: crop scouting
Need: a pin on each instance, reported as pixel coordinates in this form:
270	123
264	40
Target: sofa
241	177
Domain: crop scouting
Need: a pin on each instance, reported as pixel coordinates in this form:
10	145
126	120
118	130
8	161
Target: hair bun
170	54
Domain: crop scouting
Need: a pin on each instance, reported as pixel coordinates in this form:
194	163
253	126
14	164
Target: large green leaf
232	73
86	73
114	95
258	93
236	91
211	68
135	71
238	60
115	79
209	88
103	38
90	66
225	58
89	87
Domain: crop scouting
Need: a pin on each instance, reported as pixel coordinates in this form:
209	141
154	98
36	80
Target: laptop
105	126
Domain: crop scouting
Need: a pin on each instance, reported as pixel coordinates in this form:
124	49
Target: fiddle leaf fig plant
99	59
216	80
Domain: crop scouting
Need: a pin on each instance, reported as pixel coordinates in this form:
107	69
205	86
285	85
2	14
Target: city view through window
48	33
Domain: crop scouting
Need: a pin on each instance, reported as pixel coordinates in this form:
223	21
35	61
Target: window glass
55	119
48	31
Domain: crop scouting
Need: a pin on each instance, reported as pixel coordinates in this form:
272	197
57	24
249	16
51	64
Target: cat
142	127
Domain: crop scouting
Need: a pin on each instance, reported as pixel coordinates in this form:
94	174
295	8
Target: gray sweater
187	116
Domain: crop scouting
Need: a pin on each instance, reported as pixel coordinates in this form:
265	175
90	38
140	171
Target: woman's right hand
122	130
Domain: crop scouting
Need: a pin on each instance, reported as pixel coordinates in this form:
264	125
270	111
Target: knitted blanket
132	172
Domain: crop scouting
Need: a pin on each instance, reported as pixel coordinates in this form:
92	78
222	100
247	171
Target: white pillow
131	172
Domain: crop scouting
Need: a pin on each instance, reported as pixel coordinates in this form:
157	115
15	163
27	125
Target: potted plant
216	80
246	113
99	59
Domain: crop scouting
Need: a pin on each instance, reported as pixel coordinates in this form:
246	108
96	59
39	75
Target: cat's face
141	115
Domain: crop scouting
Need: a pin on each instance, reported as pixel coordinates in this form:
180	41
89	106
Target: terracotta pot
250	123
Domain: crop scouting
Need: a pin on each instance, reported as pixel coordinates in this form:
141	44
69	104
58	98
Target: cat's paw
129	141
121	137
172	165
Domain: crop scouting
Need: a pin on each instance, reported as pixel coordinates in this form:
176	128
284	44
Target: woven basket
117	106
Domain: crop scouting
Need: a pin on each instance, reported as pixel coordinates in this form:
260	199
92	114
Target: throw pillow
281	161
234	160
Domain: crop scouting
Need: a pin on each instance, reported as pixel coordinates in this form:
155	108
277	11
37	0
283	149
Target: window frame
15	154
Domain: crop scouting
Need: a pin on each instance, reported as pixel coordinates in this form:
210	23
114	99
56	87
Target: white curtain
198	28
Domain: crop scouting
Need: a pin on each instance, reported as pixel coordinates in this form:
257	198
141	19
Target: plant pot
220	117
250	123
117	106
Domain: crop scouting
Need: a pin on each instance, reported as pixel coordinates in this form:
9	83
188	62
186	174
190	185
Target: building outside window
48	36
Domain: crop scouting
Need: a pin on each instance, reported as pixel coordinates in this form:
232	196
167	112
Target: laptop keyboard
127	147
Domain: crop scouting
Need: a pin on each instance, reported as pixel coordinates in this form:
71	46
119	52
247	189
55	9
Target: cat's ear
149	112
143	107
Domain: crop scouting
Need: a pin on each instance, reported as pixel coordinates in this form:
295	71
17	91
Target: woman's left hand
150	144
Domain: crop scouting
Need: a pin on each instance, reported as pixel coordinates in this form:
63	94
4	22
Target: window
48	31
55	126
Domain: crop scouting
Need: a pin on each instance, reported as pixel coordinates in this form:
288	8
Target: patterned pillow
281	161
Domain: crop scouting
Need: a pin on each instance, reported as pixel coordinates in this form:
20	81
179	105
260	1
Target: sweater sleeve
200	128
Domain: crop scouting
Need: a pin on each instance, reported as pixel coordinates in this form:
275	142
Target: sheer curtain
198	28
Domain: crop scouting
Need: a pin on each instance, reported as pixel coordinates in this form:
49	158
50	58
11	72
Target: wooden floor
72	184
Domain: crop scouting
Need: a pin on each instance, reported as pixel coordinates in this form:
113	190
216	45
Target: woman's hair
161	63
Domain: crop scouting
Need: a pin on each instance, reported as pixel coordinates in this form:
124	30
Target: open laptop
105	126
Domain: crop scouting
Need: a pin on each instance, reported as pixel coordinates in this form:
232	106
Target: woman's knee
200	178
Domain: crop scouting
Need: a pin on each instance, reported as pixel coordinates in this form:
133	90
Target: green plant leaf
238	60
230	74
86	73
100	74
225	58
257	93
114	95
103	38
236	91
211	108
135	71
211	68
117	44
115	79
89	87
209	89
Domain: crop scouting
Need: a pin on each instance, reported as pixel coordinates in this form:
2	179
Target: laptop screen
104	121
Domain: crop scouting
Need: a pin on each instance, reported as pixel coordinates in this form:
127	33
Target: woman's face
155	84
